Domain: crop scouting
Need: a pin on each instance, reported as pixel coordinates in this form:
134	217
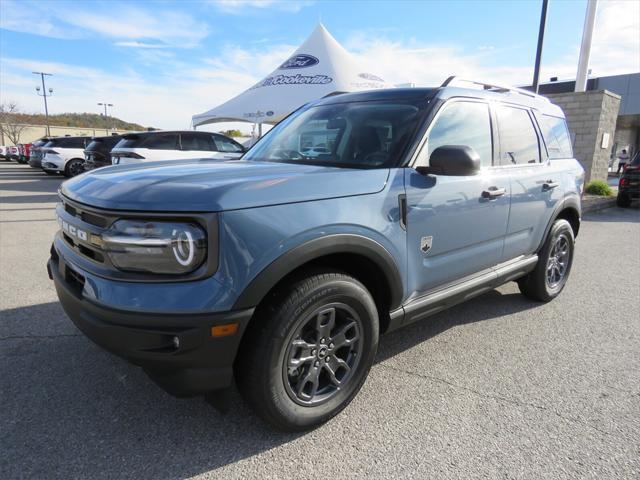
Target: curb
594	204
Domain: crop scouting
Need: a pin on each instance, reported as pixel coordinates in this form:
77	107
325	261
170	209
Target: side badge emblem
425	243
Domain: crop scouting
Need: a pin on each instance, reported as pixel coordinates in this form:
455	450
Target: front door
453	229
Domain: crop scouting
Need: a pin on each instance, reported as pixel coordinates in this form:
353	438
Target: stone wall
34	132
591	116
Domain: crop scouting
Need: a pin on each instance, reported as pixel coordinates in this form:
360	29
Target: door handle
549	185
493	192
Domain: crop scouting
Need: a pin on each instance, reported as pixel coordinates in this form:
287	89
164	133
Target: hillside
84	120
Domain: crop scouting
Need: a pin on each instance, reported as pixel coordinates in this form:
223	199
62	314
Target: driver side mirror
453	160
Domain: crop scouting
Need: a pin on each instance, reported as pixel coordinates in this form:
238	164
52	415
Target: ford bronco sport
282	269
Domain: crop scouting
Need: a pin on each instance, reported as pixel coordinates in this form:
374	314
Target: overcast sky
161	62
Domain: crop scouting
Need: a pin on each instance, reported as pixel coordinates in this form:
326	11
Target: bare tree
7	126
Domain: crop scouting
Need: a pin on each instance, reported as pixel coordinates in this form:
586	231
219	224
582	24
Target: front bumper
177	351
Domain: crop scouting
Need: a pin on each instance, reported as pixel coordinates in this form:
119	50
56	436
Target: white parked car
162	145
64	155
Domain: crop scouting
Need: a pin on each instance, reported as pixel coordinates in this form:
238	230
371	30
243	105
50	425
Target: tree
11	130
231	133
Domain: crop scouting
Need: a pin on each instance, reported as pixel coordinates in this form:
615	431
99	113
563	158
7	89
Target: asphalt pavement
499	387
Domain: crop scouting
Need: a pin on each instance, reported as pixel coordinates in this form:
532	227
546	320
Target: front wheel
309	351
555	258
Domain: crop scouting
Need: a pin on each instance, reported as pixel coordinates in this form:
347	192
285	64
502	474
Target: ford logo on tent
300	61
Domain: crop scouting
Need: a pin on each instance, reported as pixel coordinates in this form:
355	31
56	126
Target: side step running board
444	298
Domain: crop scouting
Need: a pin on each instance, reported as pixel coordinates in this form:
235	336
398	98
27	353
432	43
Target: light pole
106	117
585	47
543	21
44	95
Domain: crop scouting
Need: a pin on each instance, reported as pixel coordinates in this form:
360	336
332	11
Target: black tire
546	282
74	167
623	200
295	315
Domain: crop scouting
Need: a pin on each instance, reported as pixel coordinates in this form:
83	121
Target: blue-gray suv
356	215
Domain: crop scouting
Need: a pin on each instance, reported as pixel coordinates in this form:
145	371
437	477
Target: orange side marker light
224	330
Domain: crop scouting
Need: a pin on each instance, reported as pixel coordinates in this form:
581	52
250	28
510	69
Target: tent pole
259	130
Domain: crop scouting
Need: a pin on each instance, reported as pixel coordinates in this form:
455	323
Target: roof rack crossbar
454	81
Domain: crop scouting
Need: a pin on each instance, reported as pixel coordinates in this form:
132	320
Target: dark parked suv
283	268
98	152
35	154
629	185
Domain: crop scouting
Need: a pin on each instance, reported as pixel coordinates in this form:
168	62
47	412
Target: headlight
155	247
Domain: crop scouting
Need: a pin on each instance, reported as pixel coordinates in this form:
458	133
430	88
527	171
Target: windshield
355	135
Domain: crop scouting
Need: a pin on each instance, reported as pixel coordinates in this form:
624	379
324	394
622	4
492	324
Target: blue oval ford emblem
300	61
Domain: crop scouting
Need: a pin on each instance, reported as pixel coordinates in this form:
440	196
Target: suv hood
215	186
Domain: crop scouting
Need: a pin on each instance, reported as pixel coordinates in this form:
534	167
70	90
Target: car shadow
71	409
491	305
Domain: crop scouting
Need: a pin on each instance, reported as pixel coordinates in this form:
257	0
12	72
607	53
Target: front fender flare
258	288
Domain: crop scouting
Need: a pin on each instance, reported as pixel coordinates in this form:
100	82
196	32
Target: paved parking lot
500	387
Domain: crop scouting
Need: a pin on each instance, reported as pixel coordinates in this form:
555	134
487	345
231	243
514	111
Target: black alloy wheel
308	349
323	351
555	258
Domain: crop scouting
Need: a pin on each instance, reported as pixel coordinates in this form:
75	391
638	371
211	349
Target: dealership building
603	120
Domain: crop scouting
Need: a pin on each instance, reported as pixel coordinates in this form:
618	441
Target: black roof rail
454	81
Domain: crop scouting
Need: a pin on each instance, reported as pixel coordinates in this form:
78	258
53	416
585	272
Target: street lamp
106	117
44	94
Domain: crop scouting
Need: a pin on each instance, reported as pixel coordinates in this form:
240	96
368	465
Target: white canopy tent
321	66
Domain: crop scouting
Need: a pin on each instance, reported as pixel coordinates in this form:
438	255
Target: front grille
88	244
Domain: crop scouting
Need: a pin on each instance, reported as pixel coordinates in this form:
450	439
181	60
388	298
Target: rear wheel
623	200
555	258
310	350
74	167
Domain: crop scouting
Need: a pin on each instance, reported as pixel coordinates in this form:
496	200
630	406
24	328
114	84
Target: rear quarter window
556	136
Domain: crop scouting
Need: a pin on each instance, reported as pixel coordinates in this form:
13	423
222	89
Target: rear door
71	147
536	183
453	229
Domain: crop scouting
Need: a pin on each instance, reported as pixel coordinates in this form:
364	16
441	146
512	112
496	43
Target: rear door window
197	141
161	141
225	144
518	137
556	136
461	123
